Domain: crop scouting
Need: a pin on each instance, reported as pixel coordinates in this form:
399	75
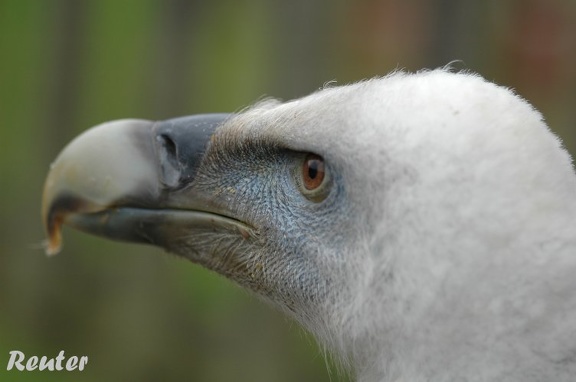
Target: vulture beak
124	179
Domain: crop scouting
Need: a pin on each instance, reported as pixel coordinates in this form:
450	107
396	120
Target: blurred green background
66	65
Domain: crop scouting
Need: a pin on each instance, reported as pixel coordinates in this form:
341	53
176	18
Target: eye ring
313	177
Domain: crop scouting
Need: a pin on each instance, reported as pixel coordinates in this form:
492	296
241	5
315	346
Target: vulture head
421	226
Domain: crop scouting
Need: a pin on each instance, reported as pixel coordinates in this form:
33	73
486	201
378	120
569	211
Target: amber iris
313	171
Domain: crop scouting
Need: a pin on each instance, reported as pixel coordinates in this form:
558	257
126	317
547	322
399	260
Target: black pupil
312	169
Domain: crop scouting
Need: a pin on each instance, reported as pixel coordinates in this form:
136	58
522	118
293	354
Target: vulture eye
313	172
313	178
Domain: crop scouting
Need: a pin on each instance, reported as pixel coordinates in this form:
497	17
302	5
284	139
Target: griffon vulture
421	226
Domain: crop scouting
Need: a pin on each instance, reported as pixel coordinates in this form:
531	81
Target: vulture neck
480	309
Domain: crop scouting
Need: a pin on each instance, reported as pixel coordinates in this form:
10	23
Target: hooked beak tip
53	244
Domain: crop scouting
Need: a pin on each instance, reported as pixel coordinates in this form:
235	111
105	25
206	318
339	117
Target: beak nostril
170	146
180	145
169	163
